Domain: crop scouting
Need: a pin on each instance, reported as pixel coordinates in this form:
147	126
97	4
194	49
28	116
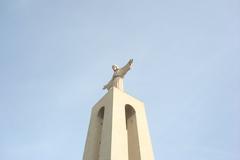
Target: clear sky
56	55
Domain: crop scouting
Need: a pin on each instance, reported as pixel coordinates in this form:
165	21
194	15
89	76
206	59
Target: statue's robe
117	78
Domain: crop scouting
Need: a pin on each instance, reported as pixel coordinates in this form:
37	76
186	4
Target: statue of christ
118	75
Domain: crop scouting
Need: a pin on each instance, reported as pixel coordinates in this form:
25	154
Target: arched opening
132	133
100	118
101	113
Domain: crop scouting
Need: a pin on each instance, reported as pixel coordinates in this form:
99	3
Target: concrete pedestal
118	129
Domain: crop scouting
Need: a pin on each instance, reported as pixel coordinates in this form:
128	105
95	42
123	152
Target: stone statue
118	75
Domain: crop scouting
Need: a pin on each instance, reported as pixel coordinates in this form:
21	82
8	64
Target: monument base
118	129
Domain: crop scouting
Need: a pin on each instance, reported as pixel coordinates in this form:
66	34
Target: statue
118	75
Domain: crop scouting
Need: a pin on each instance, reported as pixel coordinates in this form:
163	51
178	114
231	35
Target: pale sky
55	56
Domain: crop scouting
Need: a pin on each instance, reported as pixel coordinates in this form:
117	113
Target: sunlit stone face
114	67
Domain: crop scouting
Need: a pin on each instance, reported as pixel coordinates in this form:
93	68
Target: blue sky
56	55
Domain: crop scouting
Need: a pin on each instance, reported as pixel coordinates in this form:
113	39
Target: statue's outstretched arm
108	85
122	71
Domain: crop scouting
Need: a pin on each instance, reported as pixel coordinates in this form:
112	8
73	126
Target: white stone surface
121	133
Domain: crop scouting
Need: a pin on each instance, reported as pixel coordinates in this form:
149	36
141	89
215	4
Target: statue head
115	67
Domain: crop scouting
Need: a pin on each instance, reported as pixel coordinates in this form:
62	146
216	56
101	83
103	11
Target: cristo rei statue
118	128
118	75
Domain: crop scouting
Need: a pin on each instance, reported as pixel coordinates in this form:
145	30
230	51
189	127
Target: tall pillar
118	129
